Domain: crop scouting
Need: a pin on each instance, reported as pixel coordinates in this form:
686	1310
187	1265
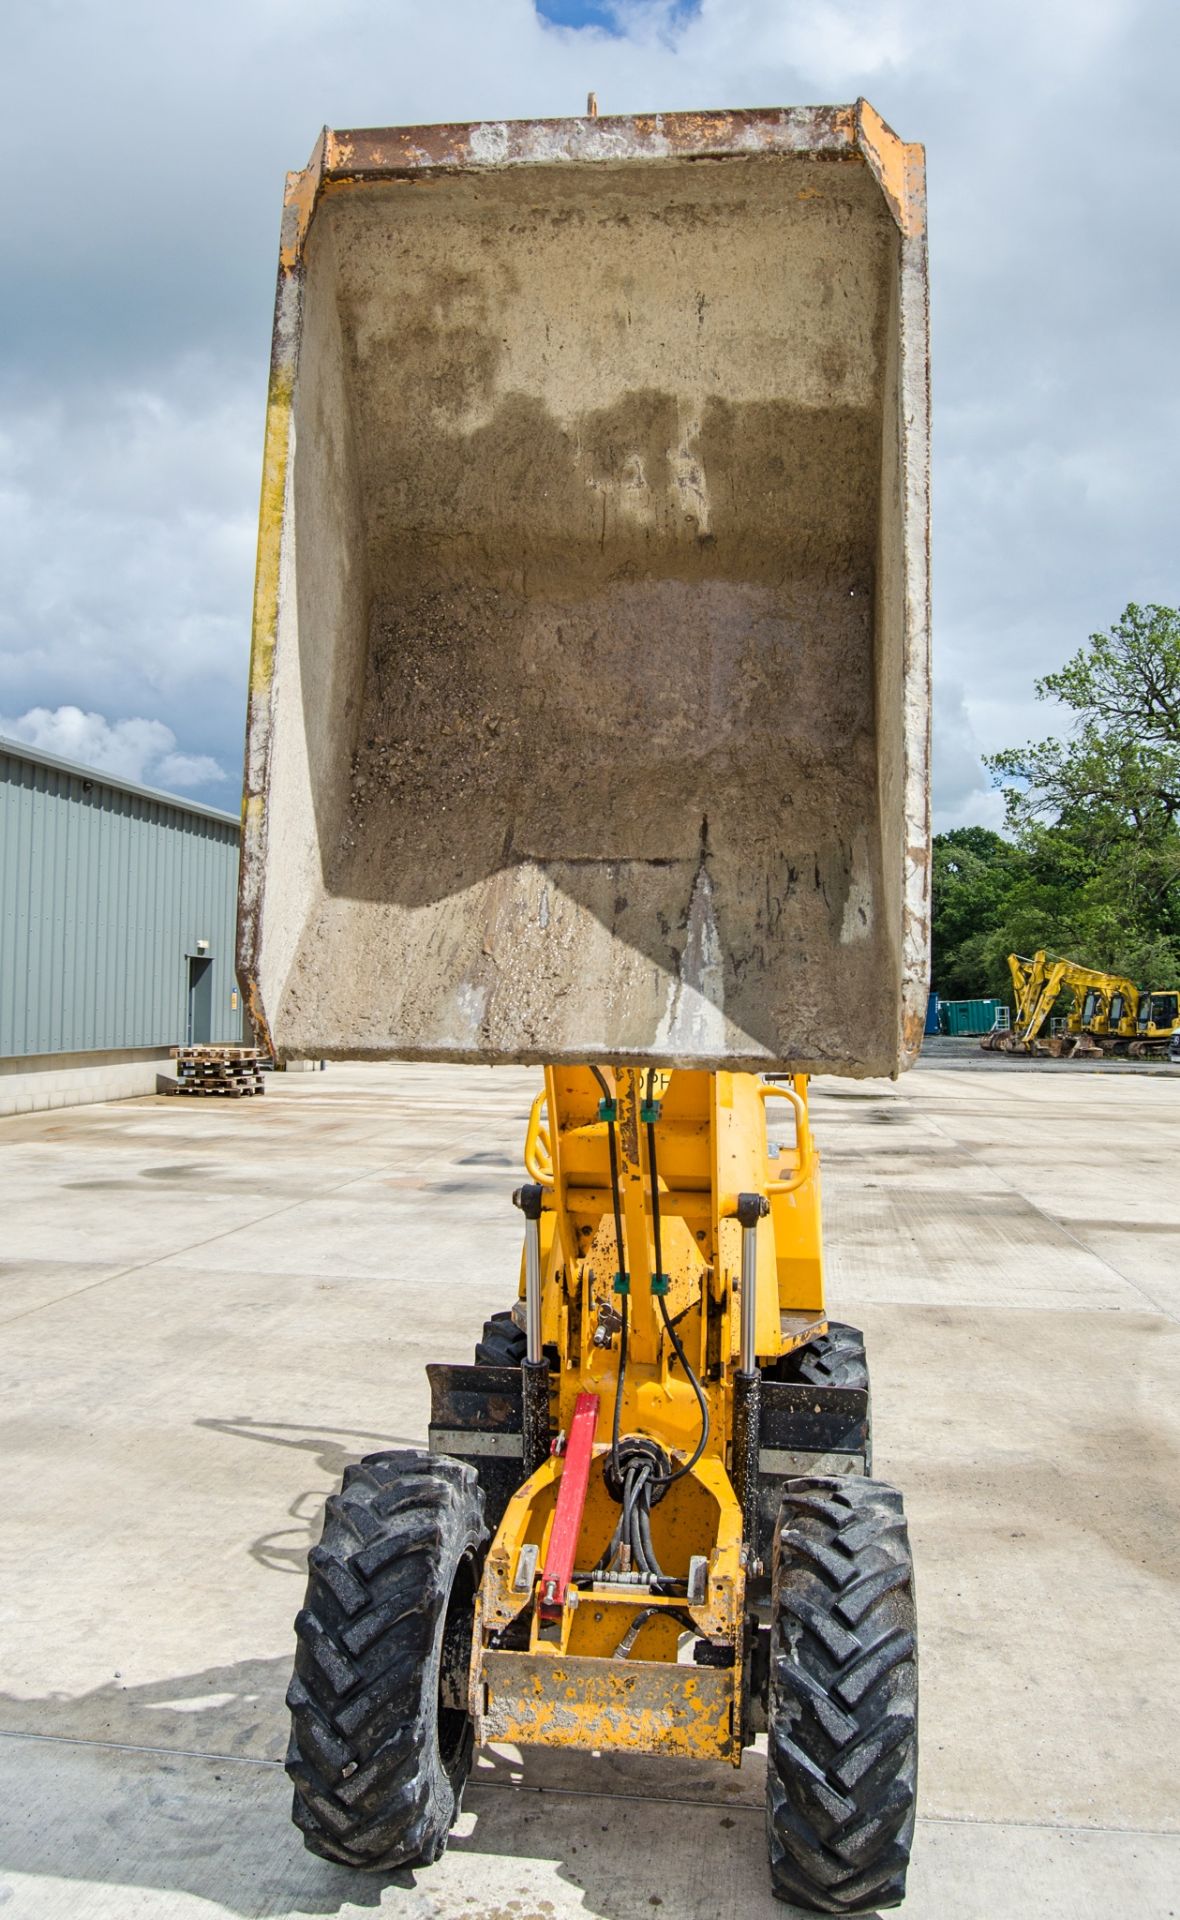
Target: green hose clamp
622	1283
608	1110
649	1112
660	1283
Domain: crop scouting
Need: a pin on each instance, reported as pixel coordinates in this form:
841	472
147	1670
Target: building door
200	1001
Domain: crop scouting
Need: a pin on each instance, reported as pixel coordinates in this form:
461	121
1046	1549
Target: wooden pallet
219	1055
221	1089
225	1073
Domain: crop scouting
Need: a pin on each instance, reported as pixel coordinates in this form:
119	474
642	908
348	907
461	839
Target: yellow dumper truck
589	729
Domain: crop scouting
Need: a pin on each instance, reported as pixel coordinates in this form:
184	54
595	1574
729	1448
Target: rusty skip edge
366	155
340	159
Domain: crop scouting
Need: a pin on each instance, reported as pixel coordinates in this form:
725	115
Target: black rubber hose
677	1344
637	1517
655	1184
638	1495
620	1383
624	1526
616	1199
637	1556
702	1400
630	1489
653	1565
654	1175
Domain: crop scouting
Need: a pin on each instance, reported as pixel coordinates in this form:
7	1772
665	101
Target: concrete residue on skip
489	142
688	475
857	923
573	559
694	1020
472	1003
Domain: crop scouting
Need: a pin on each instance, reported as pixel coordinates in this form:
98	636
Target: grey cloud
147	146
964	795
135	749
127	534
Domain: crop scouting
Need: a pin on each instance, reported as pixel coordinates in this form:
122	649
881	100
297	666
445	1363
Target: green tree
975	872
1091	867
1119	773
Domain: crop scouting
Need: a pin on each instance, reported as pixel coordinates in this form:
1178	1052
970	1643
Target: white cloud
963	790
186	770
126	547
133	340
136	749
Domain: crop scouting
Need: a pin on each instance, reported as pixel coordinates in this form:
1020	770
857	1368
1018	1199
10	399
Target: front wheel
842	1710
381	1743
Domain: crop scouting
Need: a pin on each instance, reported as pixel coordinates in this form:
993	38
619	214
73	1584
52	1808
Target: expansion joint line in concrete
136	1746
193	1246
476	1785
932	1126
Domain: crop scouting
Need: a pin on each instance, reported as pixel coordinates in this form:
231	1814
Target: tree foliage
1090	866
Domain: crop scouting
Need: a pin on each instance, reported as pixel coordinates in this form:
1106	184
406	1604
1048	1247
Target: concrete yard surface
209	1308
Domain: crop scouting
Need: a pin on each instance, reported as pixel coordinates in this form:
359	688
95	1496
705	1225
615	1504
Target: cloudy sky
146	147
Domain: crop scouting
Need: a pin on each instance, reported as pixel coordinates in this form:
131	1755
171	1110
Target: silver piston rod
535	1389
531	1208
751	1208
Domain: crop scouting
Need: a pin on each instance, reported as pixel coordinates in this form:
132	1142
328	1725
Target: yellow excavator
1107	1014
1157	1023
588	731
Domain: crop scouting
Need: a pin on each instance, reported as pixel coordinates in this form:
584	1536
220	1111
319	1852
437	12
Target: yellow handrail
776	1090
538	1148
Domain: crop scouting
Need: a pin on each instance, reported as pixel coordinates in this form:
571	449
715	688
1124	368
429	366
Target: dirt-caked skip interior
593	546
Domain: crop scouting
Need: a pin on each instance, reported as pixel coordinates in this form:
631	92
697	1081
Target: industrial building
117	921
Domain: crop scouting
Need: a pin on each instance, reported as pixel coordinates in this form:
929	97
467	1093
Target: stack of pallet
228	1071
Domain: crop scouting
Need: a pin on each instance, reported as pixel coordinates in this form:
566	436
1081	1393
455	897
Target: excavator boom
1107	1012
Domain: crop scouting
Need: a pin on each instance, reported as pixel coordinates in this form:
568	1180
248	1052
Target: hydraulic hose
640	1479
677	1344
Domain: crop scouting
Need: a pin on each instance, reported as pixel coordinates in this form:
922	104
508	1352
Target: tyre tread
503	1343
842	1747
833	1359
369	1788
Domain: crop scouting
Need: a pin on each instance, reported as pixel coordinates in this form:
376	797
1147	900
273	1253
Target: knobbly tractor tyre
836	1358
503	1343
842	1742
381	1743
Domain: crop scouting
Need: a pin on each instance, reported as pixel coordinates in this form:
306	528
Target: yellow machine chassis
610	1670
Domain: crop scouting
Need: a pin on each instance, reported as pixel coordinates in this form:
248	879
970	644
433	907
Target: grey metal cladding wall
104	893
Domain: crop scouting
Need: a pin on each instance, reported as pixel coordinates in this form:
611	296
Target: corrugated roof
21	750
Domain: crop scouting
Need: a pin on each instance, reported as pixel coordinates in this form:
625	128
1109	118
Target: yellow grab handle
776	1090
538	1151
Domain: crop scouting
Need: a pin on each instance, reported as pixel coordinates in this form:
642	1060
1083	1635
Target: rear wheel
836	1358
503	1343
842	1749
833	1359
381	1743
